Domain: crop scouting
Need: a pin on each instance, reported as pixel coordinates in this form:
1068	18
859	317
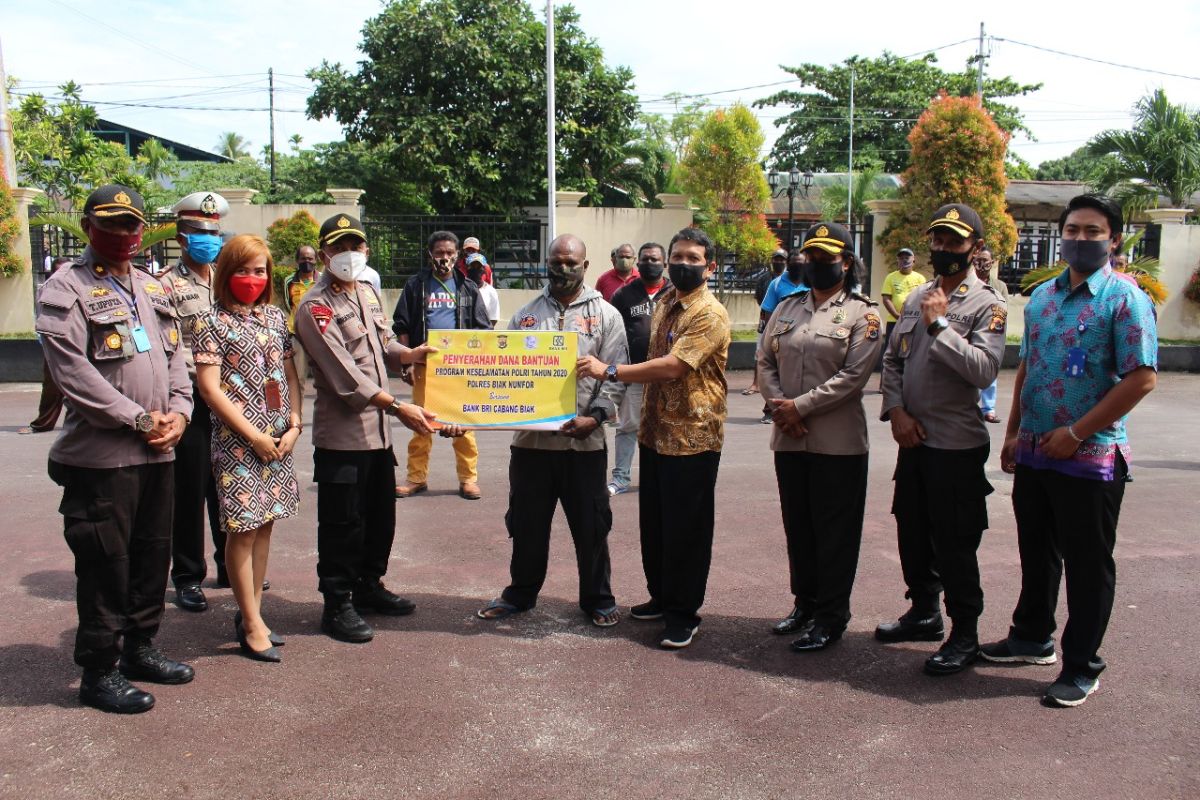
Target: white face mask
348	266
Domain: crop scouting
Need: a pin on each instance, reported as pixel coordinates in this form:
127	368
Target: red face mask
114	248
247	288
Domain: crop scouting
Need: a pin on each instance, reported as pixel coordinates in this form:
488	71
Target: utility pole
979	71
850	172
7	155
550	139
271	85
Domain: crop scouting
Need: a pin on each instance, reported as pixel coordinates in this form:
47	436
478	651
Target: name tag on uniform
1076	361
141	340
273	396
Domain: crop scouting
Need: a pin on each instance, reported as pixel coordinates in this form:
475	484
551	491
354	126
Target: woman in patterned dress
244	371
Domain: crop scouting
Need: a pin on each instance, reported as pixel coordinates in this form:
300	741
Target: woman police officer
818	353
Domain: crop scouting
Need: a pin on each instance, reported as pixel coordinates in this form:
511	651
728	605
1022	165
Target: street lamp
795	180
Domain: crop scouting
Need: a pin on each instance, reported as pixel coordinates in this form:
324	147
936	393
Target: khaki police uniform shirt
601	333
821	358
350	345
192	297
937	378
86	326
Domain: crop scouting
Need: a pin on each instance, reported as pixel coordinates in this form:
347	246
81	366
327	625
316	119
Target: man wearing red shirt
622	273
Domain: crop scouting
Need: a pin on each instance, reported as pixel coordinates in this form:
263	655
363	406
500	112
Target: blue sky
216	54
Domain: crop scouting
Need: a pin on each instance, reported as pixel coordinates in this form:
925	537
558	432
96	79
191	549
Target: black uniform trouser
356	516
538	480
117	523
823	499
1065	518
940	504
677	512
195	488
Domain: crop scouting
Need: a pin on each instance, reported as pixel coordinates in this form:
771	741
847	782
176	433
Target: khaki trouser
466	452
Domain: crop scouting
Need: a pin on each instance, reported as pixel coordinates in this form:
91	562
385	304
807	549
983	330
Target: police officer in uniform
342	327
189	286
945	347
113	346
817	355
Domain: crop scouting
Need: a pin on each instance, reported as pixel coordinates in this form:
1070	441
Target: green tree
452	92
10	229
889	93
287	234
1160	155
57	152
869	184
957	157
720	170
158	166
233	146
1079	165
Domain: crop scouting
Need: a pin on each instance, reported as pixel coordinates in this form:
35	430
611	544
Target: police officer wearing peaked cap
818	351
945	347
113	346
341	324
188	284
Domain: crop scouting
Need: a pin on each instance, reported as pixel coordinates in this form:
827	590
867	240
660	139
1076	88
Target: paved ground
546	706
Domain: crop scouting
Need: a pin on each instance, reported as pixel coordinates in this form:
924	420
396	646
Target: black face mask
795	271
476	275
946	263
777	267
687	277
305	266
564	281
823	275
651	270
1085	255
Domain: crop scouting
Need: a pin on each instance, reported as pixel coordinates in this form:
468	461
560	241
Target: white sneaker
615	489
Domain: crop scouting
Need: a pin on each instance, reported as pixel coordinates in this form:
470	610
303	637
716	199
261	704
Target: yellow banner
508	380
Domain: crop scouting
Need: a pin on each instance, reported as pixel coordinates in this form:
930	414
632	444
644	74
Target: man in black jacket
635	301
438	298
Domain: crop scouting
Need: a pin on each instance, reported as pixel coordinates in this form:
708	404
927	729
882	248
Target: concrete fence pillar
881	264
16	293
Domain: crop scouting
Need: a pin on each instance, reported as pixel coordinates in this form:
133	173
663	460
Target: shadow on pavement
51	584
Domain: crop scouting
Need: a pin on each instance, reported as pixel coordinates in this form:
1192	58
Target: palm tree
867	186
1144	269
233	146
1160	156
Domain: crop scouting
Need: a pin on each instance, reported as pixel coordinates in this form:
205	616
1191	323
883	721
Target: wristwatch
611	373
143	422
937	326
394	408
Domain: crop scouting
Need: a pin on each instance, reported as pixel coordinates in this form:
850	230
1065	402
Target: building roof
132	140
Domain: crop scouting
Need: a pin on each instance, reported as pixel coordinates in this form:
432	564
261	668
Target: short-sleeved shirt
686	416
1077	345
780	288
897	285
440	303
294	290
608	283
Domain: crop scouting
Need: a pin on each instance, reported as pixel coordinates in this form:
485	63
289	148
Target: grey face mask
1085	255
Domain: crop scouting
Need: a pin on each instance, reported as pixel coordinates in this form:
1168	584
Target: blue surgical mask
203	247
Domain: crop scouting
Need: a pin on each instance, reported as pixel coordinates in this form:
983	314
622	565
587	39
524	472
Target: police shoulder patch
528	321
322	315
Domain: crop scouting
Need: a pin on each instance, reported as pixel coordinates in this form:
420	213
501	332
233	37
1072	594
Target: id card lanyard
141	340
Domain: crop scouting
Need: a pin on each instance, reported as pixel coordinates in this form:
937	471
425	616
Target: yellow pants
466	452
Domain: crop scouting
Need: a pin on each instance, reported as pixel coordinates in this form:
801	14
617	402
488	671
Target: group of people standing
183	391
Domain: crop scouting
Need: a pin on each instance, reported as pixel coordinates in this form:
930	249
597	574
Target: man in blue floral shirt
1088	356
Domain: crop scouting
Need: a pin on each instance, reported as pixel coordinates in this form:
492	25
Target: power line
1097	60
140	42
